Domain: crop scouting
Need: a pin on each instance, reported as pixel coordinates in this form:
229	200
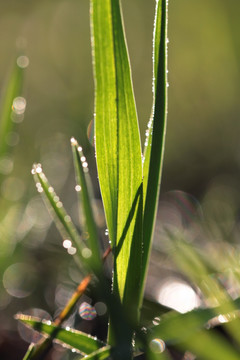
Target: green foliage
129	186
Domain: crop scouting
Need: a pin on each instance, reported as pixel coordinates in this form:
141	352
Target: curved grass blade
85	194
192	336
63	221
75	339
13	89
196	268
118	149
154	146
101	354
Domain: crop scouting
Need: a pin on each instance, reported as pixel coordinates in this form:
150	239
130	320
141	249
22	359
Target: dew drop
59	204
67	218
157	345
38	169
156	321
74	141
72	250
67	244
78	188
47	322
51	189
79	148
85	164
167	84
83	158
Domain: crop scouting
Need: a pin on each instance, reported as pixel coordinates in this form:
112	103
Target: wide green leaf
118	149
155	139
75	339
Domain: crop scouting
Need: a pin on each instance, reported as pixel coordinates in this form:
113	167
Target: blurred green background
202	144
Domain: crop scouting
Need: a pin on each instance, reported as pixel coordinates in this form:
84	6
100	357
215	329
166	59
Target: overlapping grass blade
84	188
187	332
118	149
13	89
63	221
154	145
196	269
171	329
75	339
101	354
209	345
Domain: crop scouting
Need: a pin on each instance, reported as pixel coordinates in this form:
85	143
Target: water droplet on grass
73	141
78	188
72	250
67	244
156	321
157	346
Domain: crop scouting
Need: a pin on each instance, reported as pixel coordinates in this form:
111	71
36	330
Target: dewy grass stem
37	351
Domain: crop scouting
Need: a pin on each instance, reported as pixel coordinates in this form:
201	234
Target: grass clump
129	181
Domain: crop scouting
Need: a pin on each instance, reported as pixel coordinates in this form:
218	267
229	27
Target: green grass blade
63	221
118	149
171	329
85	194
75	339
29	352
13	90
196	268
154	146
100	354
191	336
209	345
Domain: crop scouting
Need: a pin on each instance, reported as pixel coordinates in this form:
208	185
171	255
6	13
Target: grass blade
154	146
85	194
209	345
118	149
13	90
192	336
100	354
171	329
63	221
75	339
